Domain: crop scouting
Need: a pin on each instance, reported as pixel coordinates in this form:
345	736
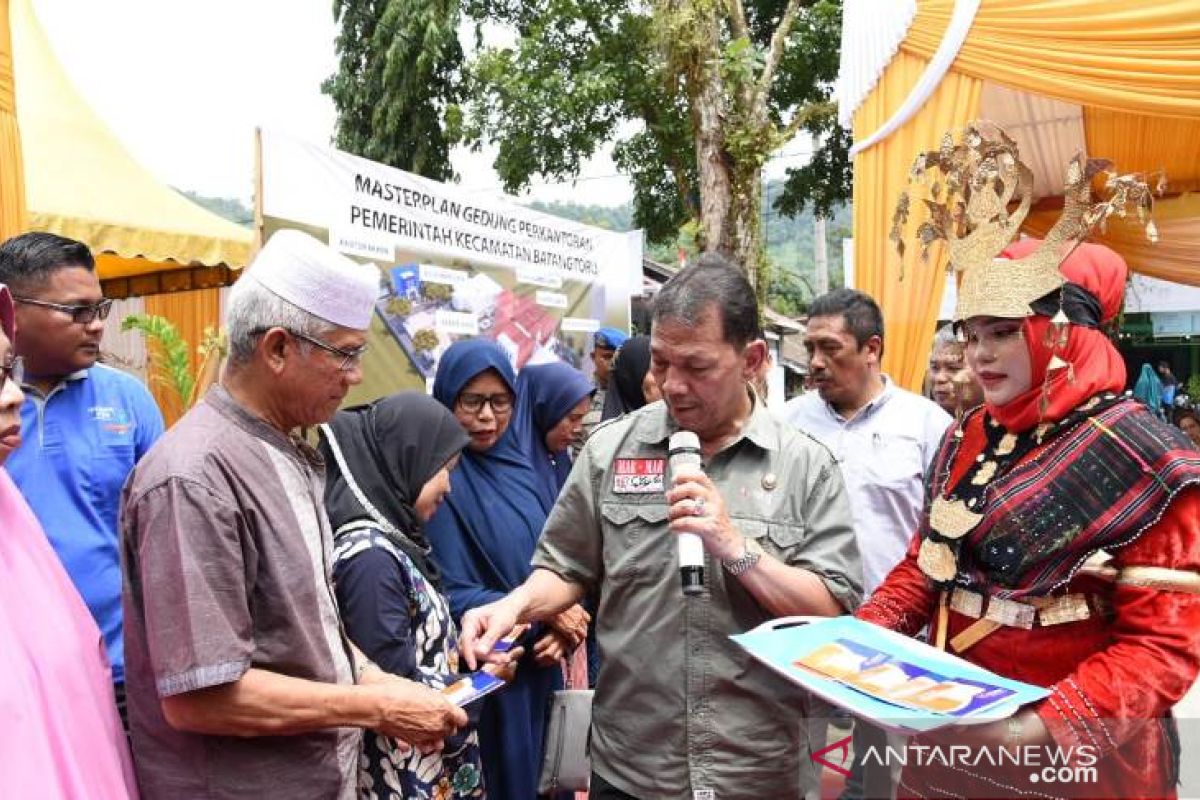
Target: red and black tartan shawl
1100	482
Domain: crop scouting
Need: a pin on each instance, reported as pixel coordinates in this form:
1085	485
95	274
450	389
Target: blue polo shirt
79	443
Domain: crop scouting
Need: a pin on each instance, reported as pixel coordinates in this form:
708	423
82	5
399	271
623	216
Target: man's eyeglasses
473	403
349	358
80	314
14	370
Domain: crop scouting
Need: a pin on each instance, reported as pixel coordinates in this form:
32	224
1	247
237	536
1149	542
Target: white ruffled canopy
871	33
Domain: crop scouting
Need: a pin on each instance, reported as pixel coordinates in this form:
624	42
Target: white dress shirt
883	452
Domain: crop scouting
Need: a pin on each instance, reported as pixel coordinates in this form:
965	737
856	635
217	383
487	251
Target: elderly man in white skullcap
240	680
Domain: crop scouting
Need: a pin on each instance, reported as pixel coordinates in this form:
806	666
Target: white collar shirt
884	452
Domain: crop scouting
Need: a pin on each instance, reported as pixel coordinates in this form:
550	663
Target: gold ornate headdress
969	205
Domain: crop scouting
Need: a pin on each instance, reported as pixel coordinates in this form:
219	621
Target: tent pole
258	190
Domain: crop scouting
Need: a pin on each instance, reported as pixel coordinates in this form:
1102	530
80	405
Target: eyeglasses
14	370
473	403
350	358
81	314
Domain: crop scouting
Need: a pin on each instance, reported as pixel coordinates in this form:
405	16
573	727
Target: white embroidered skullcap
313	276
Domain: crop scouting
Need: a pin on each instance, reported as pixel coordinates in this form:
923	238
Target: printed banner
452	263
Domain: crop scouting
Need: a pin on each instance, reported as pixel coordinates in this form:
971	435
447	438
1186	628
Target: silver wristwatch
746	561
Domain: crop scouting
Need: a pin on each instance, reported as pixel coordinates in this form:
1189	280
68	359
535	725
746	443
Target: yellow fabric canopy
880	173
1141	143
1136	56
12	182
1133	67
1175	254
80	181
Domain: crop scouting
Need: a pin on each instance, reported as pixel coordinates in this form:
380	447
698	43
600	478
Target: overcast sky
184	83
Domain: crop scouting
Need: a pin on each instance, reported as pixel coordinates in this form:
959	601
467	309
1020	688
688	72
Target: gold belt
1039	611
992	613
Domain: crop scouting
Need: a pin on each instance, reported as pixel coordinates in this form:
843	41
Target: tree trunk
745	219
712	163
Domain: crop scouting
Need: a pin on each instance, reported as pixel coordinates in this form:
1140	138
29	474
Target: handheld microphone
683	450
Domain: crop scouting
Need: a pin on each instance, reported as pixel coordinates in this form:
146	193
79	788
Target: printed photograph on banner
427	307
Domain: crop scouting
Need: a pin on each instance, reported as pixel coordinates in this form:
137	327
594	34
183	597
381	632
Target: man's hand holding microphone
697	513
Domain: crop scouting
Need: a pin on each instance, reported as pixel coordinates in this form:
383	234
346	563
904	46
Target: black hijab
377	459
629	369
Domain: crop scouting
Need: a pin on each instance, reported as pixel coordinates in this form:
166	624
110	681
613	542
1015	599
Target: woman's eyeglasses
473	403
14	370
81	314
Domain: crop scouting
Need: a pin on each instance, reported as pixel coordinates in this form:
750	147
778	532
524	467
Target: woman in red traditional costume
1028	493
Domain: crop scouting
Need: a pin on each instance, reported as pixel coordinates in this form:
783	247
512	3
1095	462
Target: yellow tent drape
1140	143
1135	56
880	174
1133	66
191	313
1135	143
1172	258
12	178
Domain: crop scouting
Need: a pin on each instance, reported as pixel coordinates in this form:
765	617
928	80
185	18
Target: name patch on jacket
639	475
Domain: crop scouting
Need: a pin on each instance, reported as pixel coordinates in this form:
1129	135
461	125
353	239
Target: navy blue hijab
484	534
545	394
483	538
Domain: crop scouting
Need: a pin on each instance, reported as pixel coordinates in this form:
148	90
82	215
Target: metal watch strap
746	561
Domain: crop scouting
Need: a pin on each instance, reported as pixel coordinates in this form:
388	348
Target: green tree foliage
824	182
611	218
788	242
169	355
398	82
696	95
1193	388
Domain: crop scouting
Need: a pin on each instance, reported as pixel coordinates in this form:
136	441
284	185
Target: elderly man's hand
697	507
414	713
572	624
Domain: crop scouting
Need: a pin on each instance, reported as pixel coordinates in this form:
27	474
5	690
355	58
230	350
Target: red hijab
1096	366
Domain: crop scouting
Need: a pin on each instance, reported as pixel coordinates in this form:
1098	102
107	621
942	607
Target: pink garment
60	735
575	676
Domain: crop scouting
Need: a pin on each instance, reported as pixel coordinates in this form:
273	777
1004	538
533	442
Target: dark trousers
601	789
873	782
